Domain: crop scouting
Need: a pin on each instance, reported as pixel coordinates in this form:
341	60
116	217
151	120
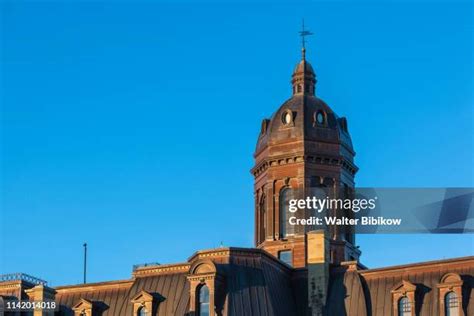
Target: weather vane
304	33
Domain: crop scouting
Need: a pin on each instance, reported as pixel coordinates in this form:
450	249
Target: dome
304	125
303	66
308	118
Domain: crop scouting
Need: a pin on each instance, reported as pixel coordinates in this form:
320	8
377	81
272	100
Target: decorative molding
403	289
394	271
165	269
94	286
450	282
144	300
320	160
83	306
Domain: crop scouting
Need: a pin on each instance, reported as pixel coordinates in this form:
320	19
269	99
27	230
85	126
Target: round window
287	117
320	118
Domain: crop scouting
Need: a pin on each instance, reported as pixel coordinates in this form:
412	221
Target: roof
303	66
369	292
256	284
304	109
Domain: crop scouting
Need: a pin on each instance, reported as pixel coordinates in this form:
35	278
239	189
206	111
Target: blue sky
132	125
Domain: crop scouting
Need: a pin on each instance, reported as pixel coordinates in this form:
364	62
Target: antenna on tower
85	262
303	33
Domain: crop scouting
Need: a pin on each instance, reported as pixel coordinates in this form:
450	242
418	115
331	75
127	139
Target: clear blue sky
132	125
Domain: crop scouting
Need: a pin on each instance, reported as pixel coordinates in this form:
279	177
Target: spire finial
304	33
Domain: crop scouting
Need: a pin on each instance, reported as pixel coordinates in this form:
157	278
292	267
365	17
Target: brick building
291	270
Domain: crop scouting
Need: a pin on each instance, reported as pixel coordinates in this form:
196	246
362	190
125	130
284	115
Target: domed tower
303	145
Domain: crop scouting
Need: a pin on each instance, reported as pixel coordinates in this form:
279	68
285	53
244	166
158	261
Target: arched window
142	311
451	304
404	307
203	301
263	219
285	227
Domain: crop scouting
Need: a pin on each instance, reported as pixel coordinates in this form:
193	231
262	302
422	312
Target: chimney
318	271
41	293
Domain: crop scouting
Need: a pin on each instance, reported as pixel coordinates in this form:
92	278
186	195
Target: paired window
286	256
451	304
203	301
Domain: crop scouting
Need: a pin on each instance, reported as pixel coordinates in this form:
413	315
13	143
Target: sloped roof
256	284
369	292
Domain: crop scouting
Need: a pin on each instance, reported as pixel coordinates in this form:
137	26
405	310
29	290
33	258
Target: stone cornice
233	252
298	158
11	285
94	286
397	270
162	269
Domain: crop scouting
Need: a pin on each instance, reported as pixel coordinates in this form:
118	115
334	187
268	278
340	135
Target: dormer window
203	301
264	126
404	306
403	296
83	308
204	283
451	304
142	311
450	295
144	302
344	124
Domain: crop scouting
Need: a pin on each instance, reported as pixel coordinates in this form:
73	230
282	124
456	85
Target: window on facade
142	312
320	118
263	219
404	307
203	301
451	304
287	117
286	257
299	88
285	227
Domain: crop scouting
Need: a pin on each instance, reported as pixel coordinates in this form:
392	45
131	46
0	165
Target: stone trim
204	272
83	306
321	160
401	290
142	299
164	269
450	282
